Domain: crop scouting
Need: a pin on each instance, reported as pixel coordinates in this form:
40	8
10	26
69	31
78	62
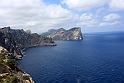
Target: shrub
11	63
13	79
3	69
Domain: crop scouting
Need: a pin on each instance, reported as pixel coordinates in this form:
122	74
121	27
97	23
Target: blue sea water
98	58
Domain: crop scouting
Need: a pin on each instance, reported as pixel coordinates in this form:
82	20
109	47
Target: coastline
15	41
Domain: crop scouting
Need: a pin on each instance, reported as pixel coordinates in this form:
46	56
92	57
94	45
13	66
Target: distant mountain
50	31
62	34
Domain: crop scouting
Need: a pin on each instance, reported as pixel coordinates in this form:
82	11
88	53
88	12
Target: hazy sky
41	15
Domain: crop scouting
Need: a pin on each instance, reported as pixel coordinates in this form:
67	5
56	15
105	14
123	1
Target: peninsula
62	34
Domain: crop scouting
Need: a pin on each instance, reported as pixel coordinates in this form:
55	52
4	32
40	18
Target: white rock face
71	34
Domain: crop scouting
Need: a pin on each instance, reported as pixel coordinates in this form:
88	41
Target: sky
42	15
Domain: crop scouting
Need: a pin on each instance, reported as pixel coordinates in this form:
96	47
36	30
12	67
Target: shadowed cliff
17	40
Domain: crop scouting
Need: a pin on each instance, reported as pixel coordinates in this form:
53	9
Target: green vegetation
9	69
2	57
12	64
6	68
8	78
13	79
3	69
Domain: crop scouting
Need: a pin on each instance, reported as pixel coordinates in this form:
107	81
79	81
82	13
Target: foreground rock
17	40
10	71
62	34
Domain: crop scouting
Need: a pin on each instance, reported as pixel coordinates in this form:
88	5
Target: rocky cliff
62	34
17	40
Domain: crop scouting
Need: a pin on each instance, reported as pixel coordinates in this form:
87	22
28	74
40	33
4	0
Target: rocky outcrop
17	40
62	34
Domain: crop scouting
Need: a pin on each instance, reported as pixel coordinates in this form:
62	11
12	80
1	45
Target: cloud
85	17
90	23
39	16
110	20
101	11
111	17
34	15
117	5
109	23
83	5
87	20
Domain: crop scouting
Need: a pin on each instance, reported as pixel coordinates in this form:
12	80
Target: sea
98	58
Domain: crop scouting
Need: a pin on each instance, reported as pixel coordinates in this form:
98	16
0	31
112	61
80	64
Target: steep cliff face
16	40
62	34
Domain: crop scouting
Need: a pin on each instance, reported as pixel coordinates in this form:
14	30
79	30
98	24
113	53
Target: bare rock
62	34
